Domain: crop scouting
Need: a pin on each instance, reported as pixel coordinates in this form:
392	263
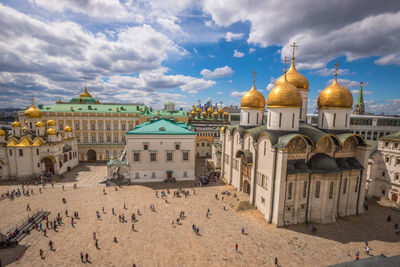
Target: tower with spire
359	107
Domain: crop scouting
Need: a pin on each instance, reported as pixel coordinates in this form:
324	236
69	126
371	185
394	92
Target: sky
139	51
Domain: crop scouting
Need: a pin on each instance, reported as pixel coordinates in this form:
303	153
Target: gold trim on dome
68	129
39	124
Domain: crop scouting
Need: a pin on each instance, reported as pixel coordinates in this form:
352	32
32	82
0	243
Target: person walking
236	247
81	256
41	253
133	227
87	257
96	244
276	261
51	245
242	230
357	256
94	236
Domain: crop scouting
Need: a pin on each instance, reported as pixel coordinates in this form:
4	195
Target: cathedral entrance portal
246	187
48	165
91	155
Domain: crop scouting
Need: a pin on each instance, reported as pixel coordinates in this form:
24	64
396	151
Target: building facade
295	172
34	148
383	178
161	149
100	127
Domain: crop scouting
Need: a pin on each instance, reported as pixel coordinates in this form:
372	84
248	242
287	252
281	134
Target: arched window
290	191
331	190
317	189
345	124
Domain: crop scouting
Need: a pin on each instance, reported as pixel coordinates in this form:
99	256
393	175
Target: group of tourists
209	178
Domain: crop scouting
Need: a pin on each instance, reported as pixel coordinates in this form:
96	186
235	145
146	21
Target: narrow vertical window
322	119
257	118
265	147
269	118
317	189
293	120
290	191
305	189
334	120
248	117
280	120
344	186
345	124
357	181
331	189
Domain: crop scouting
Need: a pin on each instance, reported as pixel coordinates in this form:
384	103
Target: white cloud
346	83
271	84
252	50
230	81
217	73
237	53
389	59
219	93
237	93
230	36
211	56
364	92
195	51
323	32
330	72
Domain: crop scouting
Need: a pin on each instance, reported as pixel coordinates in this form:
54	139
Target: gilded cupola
335	96
85	93
68	129
253	99
39	124
33	112
51	131
51	123
284	95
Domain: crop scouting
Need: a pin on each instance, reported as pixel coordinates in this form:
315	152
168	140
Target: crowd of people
209	178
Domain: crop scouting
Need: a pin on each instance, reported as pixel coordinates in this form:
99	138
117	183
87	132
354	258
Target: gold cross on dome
285	61
254	76
294	48
336	65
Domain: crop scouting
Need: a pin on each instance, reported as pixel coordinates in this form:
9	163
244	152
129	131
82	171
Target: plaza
158	242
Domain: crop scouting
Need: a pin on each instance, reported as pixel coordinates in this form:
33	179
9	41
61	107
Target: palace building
35	147
100	127
295	172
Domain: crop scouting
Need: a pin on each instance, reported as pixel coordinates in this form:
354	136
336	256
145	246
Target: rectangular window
116	138
116	126
76	126
317	189
383	174
93	138
108	126
61	123
331	190
21	153
85	139
85	126
293	120
304	189
78	138
37	151
108	138
185	156
334	119
169	156
280	120
38	165
101	139
344	185
177	146
130	126
123	138
10	152
185	174
100	125
93	126
136	156
123	126
290	190
145	147
153	156
153	175
262	200
137	175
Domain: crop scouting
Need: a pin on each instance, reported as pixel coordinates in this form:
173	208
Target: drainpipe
284	202
338	199
359	187
255	166
273	187
308	196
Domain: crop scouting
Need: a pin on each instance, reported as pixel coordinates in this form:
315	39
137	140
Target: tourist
94	236
81	256
115	239
51	245
87	257
367	250
28	208
224	207
113	211
133	227
96	244
357	255
276	261
236	247
104	191
242	230
396	226
313	229
398	231
66	213
45	232
41	253
216	196
138	212
102	209
125	206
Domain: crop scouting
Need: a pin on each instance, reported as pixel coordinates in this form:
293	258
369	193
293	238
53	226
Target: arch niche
91	155
48	164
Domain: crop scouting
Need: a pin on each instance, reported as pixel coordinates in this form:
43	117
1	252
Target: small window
136	156
387	159
177	146
344	185
383	174
185	155
202	144
290	190
21	153
169	156
396	145
145	147
331	190
153	156
153	175
396	177
304	189
317	189
262	200
137	175
38	165
37	151
10	152
185	174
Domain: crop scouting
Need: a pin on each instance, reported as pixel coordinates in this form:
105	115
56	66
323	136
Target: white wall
326	119
283	119
251	117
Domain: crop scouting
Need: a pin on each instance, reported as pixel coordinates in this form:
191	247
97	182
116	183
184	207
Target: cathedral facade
294	172
35	147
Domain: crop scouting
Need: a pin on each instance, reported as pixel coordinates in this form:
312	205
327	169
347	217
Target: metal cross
285	61
294	47
254	76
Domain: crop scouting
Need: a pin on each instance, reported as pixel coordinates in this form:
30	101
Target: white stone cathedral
294	172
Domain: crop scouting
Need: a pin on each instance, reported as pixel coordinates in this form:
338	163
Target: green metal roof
360	98
395	136
163	113
88	100
92	108
161	127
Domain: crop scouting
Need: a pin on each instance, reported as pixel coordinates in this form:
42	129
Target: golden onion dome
85	94
215	114
68	129
204	114
194	108
226	113
284	95
294	77
16	124
210	110
253	99
33	112
222	129
51	123
220	111
335	96
2	132
39	124
51	131
24	129
199	110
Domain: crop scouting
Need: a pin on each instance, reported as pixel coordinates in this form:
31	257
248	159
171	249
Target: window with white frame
153	175
85	139
108	138
185	174
93	138
93	126
77	126
153	156
101	138
185	155
137	175
169	156
115	138
136	156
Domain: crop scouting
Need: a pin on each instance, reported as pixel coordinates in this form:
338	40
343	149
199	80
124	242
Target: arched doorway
246	187
91	155
48	165
394	197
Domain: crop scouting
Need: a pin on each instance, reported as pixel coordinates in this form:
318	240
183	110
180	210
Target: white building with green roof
161	149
